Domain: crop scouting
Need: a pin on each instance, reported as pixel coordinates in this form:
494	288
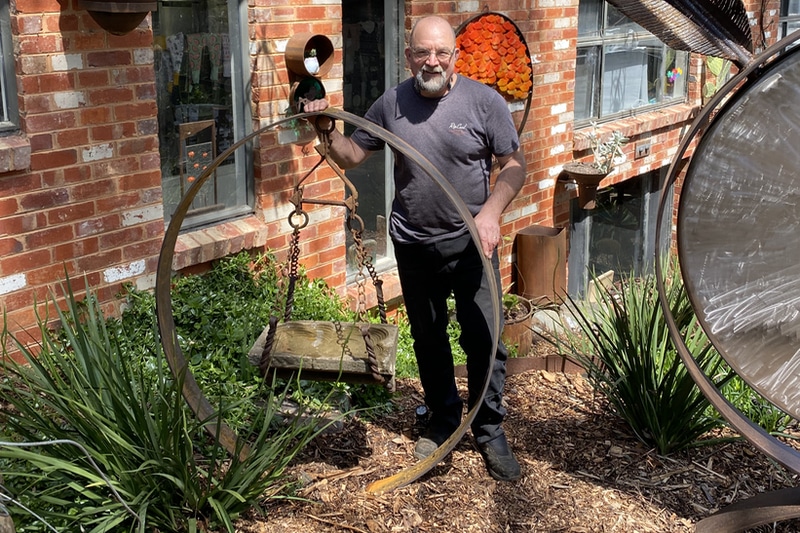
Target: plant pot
298	49
517	326
117	17
588	178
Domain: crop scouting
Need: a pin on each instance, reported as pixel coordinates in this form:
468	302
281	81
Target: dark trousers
429	273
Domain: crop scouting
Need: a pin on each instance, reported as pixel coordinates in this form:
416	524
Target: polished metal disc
739	232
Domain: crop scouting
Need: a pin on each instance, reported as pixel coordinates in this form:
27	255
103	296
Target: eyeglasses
421	54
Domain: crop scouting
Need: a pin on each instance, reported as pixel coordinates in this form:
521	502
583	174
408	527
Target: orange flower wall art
492	52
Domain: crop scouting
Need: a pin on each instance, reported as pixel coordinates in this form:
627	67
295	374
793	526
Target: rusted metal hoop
767	507
197	401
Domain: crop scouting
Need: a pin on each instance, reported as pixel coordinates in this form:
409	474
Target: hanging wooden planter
314	350
118	18
493	51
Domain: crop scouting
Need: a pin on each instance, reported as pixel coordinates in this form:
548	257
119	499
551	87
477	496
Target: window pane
365	69
791	7
625	76
627	68
590	14
649	74
617	23
193	63
586	76
9	113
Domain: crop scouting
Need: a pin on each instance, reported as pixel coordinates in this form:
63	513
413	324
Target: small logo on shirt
458	129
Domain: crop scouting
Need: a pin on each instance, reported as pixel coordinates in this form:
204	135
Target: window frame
9	112
581	232
243	166
786	18
602	36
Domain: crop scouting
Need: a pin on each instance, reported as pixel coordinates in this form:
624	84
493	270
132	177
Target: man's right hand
314	106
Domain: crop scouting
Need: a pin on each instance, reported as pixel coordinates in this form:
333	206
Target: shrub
82	388
624	345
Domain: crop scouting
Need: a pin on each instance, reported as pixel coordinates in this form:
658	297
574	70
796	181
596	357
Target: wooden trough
313	349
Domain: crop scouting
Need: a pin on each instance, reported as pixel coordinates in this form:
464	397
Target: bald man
463	128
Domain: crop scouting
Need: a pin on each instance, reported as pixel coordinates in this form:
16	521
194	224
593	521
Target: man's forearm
507	185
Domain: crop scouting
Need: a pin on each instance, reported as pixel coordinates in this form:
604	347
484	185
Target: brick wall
90	202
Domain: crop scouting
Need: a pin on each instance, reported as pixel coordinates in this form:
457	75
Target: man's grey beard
433	85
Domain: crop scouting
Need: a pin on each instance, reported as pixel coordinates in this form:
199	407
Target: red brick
71	212
76	174
38	6
142	249
49	122
93	78
118	202
132	182
10	245
62	158
8	206
108	58
122	238
97	225
137	146
41	142
40	44
99	261
49	237
71	138
22	224
86	41
97	188
19	263
71	250
56	81
47	275
43	199
11	184
135	111
115	95
94	115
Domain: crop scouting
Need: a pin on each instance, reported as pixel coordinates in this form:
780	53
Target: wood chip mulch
582	472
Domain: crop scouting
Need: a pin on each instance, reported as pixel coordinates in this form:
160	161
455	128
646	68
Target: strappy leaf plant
623	343
79	391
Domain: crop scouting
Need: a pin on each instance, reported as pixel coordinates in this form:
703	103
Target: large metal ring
166	320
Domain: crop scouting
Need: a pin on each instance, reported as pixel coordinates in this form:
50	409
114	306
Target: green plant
624	345
604	152
755	407
80	387
720	69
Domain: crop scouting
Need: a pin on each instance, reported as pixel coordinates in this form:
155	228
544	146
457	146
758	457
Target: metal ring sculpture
197	401
738	225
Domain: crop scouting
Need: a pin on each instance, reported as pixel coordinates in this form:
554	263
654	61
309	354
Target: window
372	59
790	17
621	68
619	233
9	113
200	80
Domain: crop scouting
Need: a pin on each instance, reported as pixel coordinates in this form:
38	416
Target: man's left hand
489	232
